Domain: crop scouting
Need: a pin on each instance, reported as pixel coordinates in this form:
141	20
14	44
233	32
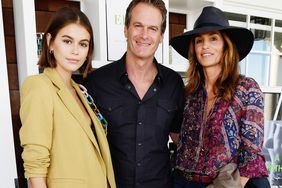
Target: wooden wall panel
45	10
175	29
54	5
42	20
13	85
177	24
10	45
8	18
7	3
22	183
15	97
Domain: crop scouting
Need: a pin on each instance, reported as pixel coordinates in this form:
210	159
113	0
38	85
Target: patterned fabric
233	132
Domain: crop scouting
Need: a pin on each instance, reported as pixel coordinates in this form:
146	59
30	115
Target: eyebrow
137	22
67	36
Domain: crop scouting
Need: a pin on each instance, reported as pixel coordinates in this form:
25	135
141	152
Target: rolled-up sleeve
36	115
251	159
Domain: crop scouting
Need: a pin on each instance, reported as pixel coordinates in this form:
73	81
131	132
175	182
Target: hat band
208	24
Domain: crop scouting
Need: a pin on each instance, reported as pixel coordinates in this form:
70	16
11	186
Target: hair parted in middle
228	77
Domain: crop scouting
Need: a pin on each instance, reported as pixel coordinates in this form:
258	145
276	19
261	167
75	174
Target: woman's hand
37	182
244	180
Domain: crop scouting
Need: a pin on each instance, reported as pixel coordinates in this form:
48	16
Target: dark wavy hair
228	77
159	4
62	18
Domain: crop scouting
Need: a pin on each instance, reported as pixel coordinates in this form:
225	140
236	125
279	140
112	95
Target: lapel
71	103
101	137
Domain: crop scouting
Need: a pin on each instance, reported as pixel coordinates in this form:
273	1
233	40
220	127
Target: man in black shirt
141	99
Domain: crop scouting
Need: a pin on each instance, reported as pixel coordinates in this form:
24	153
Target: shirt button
140	123
139	102
128	87
155	89
139	144
138	164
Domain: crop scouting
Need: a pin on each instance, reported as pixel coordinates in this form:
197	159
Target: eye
198	40
214	38
137	25
154	28
84	44
67	41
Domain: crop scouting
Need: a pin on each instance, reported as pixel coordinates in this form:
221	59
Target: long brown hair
228	77
62	18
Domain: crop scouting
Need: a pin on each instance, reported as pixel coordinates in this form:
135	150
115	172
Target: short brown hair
62	18
159	4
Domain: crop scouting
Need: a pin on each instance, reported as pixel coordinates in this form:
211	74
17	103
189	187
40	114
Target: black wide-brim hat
213	19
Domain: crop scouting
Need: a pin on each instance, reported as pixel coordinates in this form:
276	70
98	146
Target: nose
144	32
75	49
205	44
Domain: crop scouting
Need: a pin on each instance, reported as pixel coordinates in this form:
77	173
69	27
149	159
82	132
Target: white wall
7	157
25	33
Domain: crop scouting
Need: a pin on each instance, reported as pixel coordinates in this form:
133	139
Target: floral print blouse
233	132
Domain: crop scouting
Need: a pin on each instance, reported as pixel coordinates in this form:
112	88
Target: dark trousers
180	182
258	183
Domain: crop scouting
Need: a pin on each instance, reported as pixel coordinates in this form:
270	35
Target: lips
206	54
71	60
142	43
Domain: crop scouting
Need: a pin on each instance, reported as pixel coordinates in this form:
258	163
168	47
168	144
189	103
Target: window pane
270	104
257	67
278	42
260	20
278	59
262	40
278	23
235	17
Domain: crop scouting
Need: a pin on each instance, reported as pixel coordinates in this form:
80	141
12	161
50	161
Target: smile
143	43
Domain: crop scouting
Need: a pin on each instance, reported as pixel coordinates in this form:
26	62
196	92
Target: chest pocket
166	113
112	110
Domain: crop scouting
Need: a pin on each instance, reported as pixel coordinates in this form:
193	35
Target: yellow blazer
57	141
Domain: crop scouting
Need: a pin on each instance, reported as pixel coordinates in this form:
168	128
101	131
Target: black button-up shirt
138	128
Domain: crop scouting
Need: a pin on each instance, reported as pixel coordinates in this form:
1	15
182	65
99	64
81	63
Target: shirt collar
122	73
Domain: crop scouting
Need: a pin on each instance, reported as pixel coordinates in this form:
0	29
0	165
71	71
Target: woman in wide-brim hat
222	130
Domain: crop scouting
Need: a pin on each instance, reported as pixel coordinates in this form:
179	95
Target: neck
211	75
141	69
66	77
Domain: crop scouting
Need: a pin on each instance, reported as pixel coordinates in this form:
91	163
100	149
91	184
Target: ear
161	39
48	38
125	32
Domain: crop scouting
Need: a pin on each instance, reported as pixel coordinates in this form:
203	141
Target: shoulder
36	84
249	90
106	70
169	74
247	83
35	81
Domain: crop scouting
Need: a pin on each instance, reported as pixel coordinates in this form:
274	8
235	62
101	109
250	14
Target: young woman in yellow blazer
64	143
